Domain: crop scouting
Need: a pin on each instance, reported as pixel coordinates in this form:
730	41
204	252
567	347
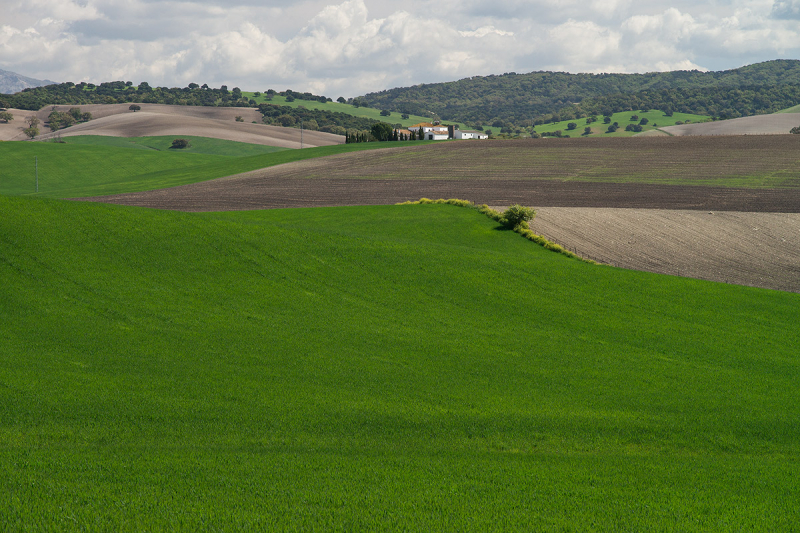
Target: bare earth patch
774	124
12	131
756	249
116	120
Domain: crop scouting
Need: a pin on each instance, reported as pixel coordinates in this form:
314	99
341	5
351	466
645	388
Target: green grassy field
795	109
377	368
198	145
102	166
599	129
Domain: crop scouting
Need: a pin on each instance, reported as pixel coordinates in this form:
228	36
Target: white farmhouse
427	127
438	132
470	134
436	136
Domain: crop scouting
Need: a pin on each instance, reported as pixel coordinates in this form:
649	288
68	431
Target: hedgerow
514	217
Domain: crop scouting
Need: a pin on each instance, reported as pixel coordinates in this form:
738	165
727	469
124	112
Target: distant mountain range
11	82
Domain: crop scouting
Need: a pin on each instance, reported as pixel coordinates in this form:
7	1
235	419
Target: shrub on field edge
517	215
521	228
179	144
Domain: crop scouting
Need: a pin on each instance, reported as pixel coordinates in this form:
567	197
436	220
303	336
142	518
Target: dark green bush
517	215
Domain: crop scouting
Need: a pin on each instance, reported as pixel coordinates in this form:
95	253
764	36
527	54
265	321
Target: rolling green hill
336	107
518	99
95	165
655	120
198	145
508	101
377	368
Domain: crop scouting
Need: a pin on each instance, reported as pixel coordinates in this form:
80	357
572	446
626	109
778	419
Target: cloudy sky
348	48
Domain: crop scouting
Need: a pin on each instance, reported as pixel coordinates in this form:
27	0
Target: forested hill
521	98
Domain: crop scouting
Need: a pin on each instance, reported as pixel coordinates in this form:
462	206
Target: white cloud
484	31
671	25
584	44
66	10
356	46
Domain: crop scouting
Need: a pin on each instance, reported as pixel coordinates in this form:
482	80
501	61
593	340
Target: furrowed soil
711	173
757	249
773	124
629	176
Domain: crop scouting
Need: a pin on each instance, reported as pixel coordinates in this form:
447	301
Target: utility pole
301	133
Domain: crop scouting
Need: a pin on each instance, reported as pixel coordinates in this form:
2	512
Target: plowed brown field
773	124
749	161
711	173
638	174
757	249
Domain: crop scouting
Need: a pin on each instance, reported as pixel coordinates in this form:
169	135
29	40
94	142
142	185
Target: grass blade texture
377	368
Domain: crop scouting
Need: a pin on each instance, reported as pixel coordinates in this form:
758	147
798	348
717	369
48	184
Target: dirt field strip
12	131
774	124
763	162
265	190
756	249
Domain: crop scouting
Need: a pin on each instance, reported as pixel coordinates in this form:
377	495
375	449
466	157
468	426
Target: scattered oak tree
135	108
6	117
382	131
58	120
517	215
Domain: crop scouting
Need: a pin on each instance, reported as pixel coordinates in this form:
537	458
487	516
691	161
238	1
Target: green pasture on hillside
401	368
795	109
336	107
73	170
599	129
197	145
